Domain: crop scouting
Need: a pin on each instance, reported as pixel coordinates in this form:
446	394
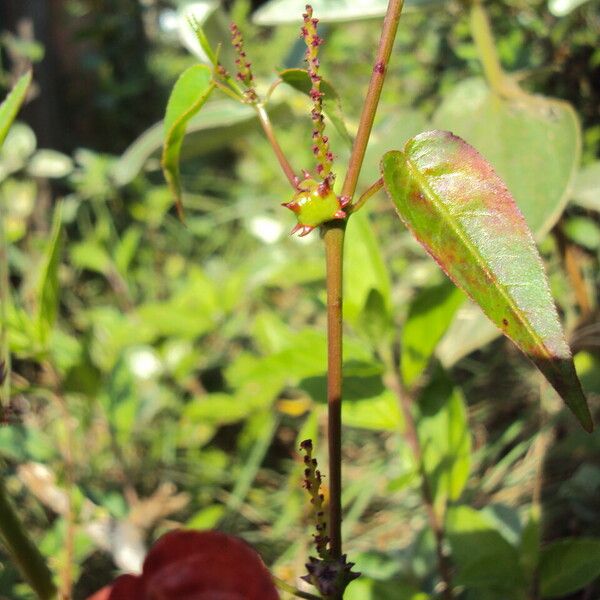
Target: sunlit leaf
429	316
560	8
332	106
187	97
568	565
533	143
49	291
279	12
461	212
11	104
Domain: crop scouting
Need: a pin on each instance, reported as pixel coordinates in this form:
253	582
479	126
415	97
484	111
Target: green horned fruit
314	204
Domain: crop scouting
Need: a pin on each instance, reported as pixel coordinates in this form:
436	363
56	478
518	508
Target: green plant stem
334	254
386	43
370	191
23	551
486	48
333	236
392	381
265	123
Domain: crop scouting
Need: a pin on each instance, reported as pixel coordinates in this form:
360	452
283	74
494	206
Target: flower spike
320	141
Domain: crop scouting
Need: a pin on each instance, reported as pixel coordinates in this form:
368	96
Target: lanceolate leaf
462	213
10	107
189	94
49	291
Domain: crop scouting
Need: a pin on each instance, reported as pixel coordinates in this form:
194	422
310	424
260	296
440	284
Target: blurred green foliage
167	373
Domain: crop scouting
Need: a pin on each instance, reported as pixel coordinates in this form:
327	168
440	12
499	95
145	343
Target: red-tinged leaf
190	92
196	565
462	213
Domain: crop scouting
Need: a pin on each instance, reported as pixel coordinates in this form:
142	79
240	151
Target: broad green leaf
445	439
190	92
364	268
219	122
11	104
568	565
332	106
429	316
533	143
483	558
461	212
49	291
279	12
586	191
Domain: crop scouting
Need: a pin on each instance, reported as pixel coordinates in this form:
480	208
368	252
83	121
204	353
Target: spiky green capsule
314	204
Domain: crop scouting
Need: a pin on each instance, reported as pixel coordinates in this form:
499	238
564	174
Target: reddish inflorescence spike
321	143
244	72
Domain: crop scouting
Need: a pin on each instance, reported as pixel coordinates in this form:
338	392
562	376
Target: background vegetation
165	373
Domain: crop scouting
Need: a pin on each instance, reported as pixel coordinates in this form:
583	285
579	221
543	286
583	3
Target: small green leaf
462	213
49	291
10	107
332	106
568	565
429	316
190	92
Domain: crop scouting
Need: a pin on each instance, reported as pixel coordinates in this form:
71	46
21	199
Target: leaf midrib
479	259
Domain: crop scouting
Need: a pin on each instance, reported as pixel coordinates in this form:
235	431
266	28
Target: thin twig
370	191
265	122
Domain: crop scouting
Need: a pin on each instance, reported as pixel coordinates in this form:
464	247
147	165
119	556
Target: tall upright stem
386	43
333	235
334	246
